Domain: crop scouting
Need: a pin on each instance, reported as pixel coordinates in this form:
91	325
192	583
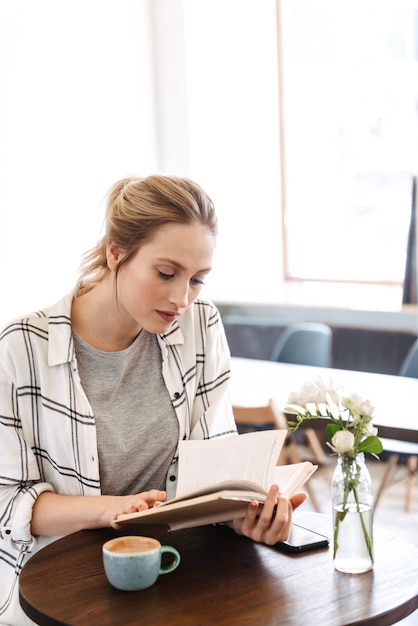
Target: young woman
97	391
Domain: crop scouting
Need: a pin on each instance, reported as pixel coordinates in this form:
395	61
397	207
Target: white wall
93	90
76	113
234	139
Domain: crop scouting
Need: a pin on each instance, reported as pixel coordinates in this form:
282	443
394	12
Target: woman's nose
180	295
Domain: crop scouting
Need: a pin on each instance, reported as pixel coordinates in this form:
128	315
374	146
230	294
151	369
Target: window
349	118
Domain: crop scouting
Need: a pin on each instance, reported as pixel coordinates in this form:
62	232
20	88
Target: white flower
369	430
357	406
342	441
350	417
315	392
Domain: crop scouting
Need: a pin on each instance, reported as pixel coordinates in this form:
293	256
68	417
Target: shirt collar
60	339
61	346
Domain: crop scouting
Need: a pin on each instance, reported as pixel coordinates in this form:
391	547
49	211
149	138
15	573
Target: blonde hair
136	209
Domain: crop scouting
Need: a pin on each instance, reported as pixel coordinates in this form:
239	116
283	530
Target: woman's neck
96	318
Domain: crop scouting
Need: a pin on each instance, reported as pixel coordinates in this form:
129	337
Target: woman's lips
167	316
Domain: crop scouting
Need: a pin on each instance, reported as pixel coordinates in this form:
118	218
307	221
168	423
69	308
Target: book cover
219	477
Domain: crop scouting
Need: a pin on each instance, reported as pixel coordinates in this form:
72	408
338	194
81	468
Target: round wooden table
222	579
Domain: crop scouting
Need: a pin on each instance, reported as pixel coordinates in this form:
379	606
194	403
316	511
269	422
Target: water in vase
353	553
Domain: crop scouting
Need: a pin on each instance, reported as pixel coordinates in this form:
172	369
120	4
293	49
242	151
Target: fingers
152	496
138	502
298	499
143	500
271	522
275	518
263	521
114	523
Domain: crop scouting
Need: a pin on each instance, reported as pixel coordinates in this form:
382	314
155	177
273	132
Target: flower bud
369	430
342	441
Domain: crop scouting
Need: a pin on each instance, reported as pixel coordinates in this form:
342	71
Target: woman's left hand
274	521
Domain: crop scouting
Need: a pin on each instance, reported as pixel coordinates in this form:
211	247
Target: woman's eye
165	276
197	281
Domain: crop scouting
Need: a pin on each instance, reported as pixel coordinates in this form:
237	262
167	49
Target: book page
208	509
250	457
291	477
241	487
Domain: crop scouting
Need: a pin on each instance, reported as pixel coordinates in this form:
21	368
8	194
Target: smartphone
301	540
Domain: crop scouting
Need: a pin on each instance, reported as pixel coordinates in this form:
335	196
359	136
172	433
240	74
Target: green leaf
371	444
331	430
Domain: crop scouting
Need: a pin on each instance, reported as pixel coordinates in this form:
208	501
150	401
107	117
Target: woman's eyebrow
180	266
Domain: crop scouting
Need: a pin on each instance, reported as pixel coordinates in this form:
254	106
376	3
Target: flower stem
350	484
367	537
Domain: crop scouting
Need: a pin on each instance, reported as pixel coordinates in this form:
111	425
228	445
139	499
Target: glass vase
352	504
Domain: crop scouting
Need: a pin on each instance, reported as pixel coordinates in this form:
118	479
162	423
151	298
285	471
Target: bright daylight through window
349	106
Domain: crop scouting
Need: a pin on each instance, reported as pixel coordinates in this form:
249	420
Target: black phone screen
301	540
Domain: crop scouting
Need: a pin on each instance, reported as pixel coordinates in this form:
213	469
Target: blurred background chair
409	365
306	343
269	416
404	451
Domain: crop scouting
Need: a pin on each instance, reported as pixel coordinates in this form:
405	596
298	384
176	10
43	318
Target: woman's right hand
56	514
138	502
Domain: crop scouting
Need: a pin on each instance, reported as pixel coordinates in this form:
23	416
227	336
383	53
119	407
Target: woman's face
164	277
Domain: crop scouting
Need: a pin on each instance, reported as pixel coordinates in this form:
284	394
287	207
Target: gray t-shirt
137	428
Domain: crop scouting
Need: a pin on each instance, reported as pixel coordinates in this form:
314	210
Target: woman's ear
114	255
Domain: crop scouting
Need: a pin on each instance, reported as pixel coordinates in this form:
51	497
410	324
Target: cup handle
175	562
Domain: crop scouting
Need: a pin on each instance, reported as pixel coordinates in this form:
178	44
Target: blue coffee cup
132	563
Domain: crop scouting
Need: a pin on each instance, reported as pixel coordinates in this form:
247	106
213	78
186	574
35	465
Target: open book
219	477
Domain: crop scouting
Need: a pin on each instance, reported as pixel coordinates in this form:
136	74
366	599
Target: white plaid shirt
47	427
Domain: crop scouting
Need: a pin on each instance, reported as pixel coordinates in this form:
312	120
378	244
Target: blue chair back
305	343
409	367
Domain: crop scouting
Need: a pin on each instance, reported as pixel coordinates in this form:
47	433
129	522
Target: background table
222	579
395	398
